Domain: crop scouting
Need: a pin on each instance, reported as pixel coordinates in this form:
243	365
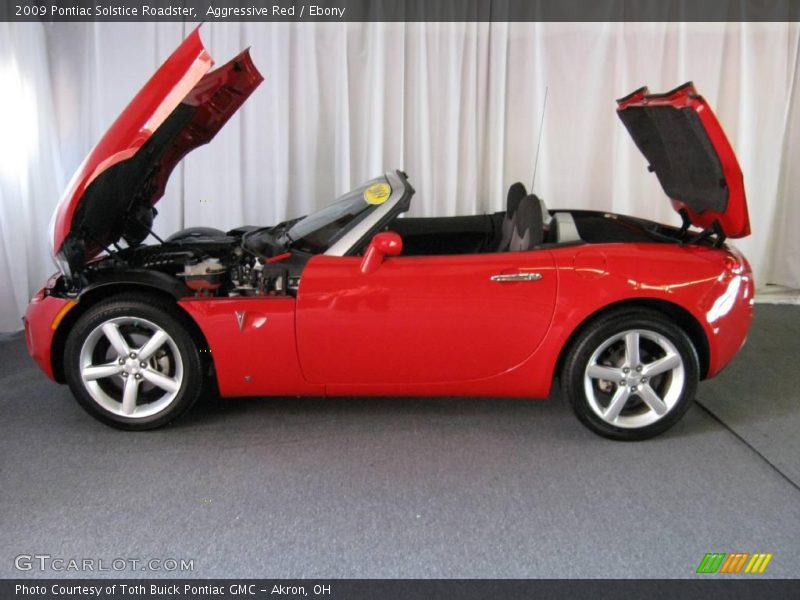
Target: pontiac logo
254	319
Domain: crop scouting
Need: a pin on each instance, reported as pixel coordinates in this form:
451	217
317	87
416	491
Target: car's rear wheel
131	362
631	375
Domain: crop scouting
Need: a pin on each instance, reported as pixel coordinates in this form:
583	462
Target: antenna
539	143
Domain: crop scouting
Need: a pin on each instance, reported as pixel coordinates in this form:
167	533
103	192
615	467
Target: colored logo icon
734	563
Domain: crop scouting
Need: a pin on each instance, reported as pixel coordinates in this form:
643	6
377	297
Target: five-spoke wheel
131	367
132	363
631	375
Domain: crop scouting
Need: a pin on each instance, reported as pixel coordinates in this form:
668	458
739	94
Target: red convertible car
629	314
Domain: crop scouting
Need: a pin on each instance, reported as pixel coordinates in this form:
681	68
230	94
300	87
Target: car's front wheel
131	362
631	375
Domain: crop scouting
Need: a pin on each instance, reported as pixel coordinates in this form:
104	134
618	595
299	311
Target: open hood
111	196
687	149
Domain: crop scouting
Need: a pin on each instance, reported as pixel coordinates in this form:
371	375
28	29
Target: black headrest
516	193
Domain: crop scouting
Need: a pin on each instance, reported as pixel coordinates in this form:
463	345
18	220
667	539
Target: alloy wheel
131	367
634	378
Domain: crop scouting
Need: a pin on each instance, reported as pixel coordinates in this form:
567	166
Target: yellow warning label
377	193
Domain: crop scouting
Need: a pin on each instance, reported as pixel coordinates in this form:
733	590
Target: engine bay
209	262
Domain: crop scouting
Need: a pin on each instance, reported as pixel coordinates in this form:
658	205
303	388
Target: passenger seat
528	230
515	195
546	217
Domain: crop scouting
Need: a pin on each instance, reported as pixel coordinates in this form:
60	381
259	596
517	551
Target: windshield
320	230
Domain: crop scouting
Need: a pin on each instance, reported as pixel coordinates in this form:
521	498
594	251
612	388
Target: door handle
516	277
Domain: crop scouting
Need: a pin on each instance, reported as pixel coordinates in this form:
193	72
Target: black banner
400	10
385	589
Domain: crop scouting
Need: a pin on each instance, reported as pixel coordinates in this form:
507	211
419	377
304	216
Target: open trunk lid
687	149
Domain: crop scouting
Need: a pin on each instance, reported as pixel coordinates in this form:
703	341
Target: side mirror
386	243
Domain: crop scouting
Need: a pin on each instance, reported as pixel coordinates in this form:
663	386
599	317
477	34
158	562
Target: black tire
175	364
628	416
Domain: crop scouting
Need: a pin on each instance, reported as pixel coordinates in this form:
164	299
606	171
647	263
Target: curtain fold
31	177
457	105
784	250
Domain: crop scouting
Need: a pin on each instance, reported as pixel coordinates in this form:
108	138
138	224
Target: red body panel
421	320
728	311
690	277
39	333
252	344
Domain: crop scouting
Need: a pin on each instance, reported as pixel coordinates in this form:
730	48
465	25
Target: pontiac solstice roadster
627	313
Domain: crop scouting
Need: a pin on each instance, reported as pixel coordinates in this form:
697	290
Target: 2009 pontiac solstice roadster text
67	10
352	300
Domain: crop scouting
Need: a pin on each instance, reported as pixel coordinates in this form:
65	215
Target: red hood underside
181	107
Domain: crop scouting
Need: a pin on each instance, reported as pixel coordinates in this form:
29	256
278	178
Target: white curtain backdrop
457	105
31	176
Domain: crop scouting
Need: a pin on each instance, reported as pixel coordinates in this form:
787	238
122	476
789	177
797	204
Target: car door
431	319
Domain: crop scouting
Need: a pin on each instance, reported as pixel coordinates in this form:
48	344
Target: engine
209	262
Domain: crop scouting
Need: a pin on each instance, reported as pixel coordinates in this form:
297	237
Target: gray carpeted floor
410	487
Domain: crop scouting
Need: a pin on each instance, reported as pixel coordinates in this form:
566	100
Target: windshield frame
398	202
321	229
